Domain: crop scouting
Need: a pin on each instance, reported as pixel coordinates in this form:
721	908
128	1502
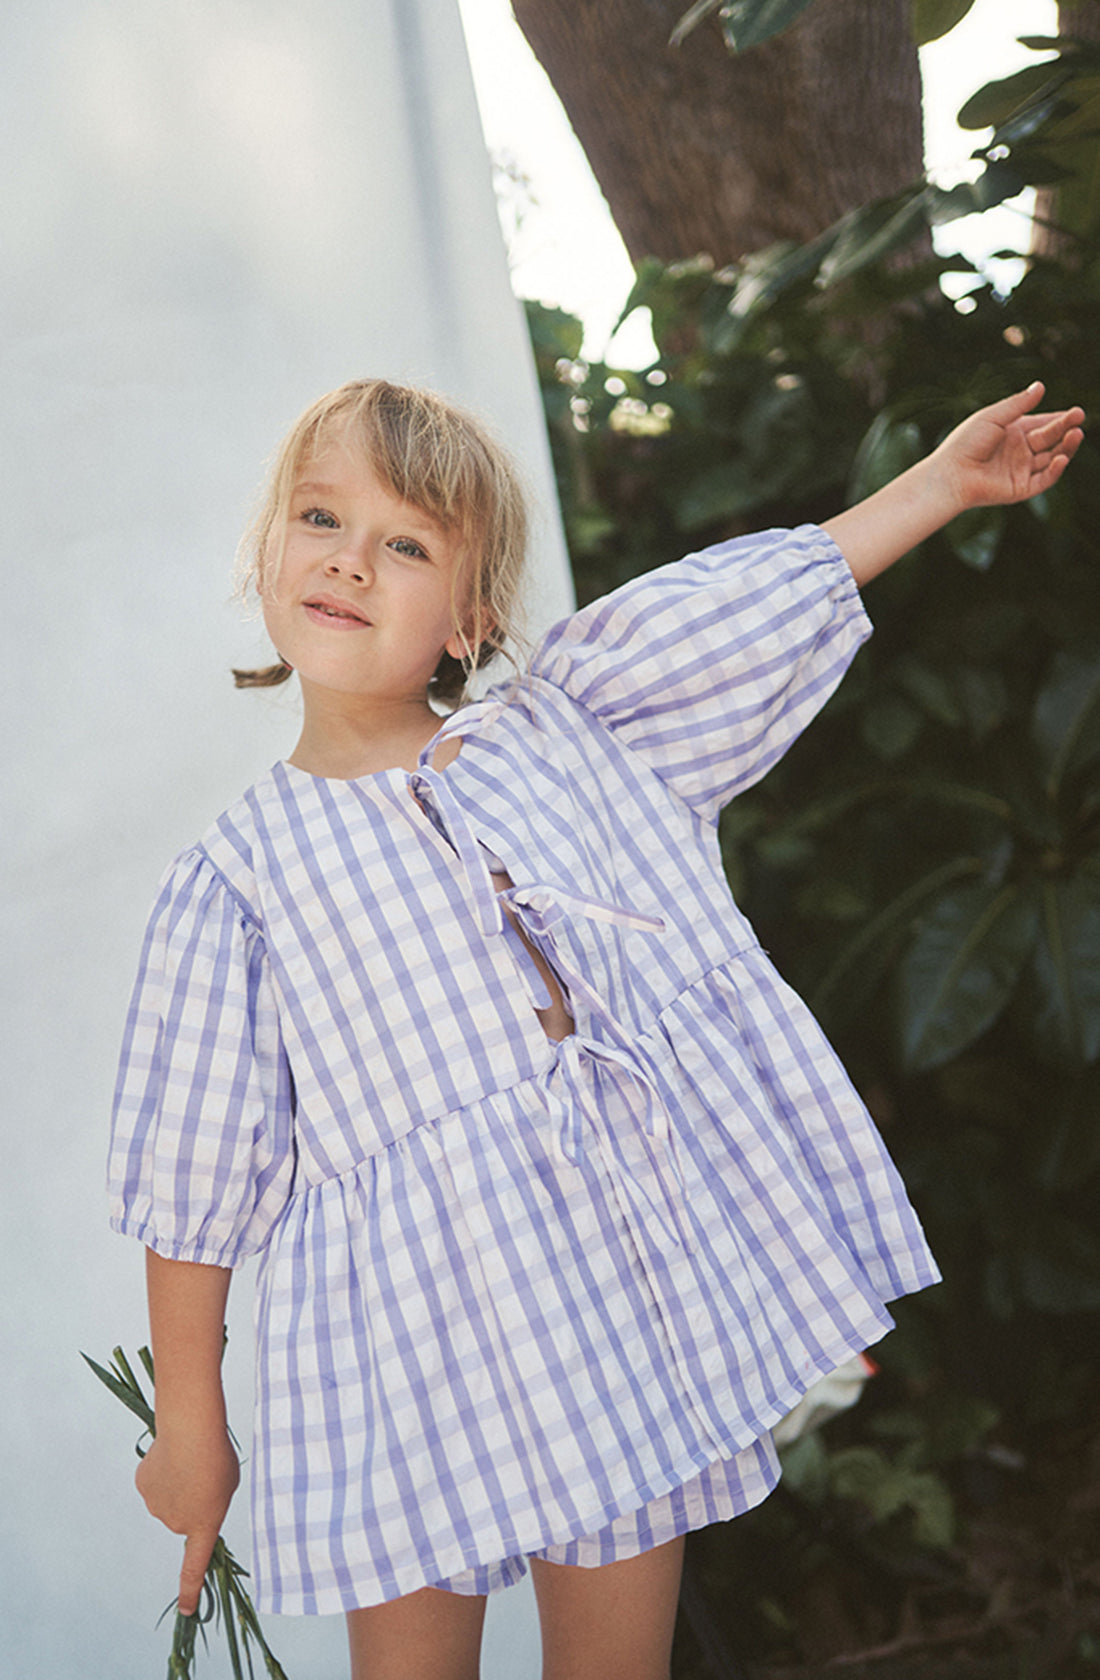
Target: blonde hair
442	461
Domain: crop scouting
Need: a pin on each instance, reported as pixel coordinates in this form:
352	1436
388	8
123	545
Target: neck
342	737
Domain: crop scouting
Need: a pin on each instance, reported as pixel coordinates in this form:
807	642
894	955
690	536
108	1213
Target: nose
350	562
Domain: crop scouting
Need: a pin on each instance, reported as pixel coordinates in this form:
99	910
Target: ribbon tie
446	815
657	1198
650	1188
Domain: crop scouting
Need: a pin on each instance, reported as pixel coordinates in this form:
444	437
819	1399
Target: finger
1012	408
1061	449
1044	431
196	1555
1050	474
1067	446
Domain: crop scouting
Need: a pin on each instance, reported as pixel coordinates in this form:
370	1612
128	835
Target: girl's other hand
187	1481
1007	452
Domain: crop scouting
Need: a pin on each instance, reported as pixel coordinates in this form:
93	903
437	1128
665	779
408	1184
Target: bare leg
427	1635
610	1623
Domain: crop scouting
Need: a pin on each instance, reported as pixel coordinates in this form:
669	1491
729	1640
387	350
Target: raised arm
190	1472
1004	453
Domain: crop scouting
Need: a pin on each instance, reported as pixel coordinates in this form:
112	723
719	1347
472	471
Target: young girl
560	1197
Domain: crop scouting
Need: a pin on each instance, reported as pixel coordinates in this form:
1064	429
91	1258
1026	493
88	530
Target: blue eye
406	545
320	518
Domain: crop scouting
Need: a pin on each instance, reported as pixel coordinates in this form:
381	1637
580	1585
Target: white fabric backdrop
213	210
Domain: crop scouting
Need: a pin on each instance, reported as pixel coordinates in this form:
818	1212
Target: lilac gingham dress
517	1296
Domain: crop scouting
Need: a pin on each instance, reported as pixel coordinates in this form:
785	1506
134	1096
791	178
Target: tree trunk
697	149
1071	207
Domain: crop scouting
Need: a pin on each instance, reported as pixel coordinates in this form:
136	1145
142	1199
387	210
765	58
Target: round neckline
423	761
291	769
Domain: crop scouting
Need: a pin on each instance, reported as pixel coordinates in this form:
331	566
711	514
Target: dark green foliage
924	866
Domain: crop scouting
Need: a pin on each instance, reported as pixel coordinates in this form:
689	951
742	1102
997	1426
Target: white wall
212	211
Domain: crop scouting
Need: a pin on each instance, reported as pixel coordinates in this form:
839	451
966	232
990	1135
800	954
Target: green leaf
983	696
997	181
806	1467
1073	48
867	235
998	101
822	812
961	969
1039	169
947	1427
888	448
934	1510
865	955
588	528
553	331
1055	1269
765	275
961	795
1072	1152
1053	1287
1065	725
745	23
133	1400
931	690
890	726
975	536
865	1474
1070	140
1067	970
719	492
1026	122
122	1365
934	18
691	19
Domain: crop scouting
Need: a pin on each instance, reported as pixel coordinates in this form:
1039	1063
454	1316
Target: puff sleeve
202	1158
711	667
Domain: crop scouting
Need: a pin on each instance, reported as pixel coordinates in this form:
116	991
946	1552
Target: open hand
1007	452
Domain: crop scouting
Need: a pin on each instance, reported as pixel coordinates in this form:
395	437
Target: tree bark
1051	208
697	149
1080	18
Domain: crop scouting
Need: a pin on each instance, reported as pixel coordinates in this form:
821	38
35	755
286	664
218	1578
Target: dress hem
338	1600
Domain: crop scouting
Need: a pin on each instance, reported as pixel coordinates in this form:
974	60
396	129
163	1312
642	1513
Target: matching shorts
725	1489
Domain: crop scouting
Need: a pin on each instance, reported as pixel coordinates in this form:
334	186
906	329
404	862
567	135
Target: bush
924	867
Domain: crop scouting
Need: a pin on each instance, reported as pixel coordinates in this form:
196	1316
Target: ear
460	643
458	646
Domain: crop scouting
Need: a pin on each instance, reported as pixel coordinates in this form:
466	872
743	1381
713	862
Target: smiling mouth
334	614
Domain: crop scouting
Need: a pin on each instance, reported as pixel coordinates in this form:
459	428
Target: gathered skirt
521	1328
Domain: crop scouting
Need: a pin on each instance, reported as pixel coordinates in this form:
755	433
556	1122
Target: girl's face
363	602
